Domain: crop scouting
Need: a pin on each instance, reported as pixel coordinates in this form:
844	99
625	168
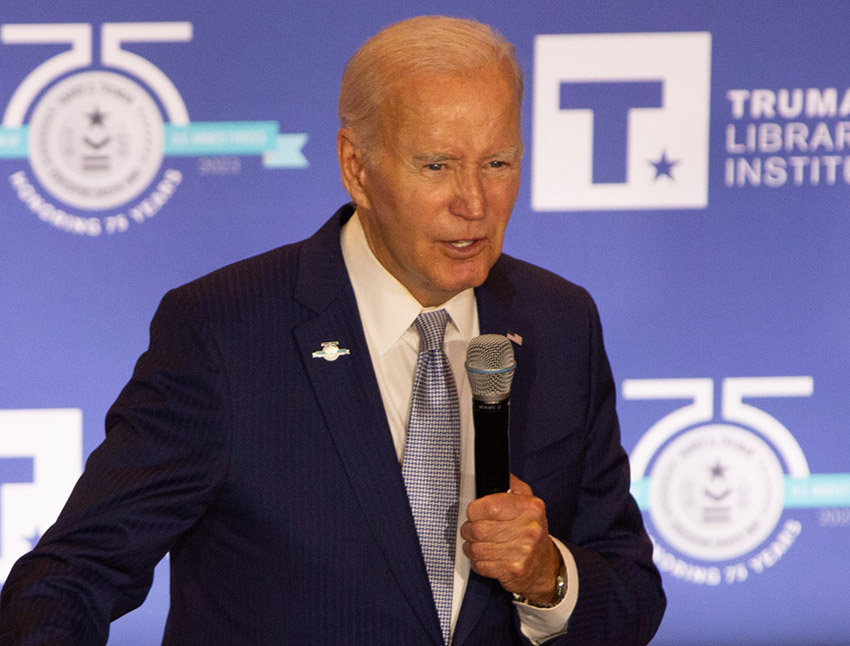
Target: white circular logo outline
716	492
96	140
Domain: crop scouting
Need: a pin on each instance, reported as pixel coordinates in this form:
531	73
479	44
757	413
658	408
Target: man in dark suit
261	438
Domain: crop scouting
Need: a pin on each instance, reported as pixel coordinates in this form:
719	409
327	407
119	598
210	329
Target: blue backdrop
687	162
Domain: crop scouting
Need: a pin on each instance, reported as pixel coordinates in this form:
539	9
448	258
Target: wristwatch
557	596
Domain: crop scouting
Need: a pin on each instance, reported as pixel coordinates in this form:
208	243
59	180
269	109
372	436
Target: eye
497	163
435	166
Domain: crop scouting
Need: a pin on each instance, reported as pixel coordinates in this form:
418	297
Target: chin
453	280
472	278
456	287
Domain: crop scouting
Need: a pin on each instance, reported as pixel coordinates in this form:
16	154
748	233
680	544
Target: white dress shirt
388	311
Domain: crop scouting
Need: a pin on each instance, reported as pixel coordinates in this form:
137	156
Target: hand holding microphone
506	536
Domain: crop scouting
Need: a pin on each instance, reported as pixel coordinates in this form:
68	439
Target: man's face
442	182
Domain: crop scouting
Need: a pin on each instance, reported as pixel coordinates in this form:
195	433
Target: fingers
514	575
504	507
528	568
497	541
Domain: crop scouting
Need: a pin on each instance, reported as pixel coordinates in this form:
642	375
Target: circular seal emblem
96	140
716	492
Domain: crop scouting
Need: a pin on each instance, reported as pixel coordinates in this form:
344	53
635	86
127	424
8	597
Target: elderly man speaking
299	433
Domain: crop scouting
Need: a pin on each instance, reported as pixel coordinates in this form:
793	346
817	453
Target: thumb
520	487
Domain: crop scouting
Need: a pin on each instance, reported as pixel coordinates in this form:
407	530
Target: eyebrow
432	158
515	151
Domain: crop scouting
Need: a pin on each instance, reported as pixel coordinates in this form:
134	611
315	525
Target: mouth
464	248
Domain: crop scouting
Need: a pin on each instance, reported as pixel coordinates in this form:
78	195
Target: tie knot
432	329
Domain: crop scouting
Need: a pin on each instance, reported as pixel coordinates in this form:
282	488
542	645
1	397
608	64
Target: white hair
425	44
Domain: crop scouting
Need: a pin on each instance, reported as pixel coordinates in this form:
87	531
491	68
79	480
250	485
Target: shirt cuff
541	624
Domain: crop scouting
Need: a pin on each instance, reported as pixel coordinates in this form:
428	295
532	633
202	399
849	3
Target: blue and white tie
431	465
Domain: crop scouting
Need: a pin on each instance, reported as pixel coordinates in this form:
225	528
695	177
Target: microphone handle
492	448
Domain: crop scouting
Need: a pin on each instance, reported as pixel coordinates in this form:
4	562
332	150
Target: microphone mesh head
490	366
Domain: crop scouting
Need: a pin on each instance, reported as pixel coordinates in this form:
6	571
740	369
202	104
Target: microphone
490	367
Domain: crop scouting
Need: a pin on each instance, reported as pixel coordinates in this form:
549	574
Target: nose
469	199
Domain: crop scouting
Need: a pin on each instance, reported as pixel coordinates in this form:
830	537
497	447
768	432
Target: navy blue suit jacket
271	476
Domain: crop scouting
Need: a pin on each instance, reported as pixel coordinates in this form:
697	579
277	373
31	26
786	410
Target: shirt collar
386	308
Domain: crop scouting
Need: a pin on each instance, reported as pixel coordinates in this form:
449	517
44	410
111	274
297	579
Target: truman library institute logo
621	121
791	137
96	139
718	491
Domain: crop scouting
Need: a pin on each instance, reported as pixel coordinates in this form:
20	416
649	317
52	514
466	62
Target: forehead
483	103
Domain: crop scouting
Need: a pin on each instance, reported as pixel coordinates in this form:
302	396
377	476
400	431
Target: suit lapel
350	400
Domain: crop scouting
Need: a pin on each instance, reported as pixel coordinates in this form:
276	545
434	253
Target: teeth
461	244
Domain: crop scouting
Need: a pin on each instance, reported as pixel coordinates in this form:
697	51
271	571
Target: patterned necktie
431	466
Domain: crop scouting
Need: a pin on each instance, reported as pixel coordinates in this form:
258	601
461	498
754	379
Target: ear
352	167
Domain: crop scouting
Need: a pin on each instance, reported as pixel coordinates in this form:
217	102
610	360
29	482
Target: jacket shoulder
274	267
529	286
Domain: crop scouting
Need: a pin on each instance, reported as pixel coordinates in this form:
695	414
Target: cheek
501	195
501	209
511	191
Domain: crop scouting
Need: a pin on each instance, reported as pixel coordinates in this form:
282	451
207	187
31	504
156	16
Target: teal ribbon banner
201	139
14	142
819	490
